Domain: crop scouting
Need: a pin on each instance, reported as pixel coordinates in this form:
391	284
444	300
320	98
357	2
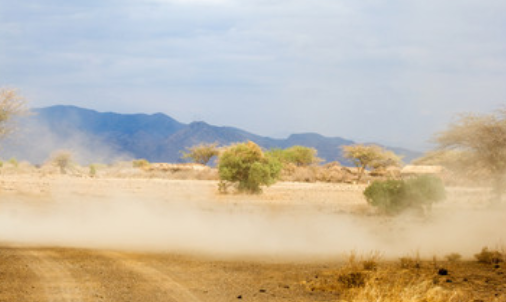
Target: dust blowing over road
305	221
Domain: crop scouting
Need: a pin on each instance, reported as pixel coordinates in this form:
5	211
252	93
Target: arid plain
69	238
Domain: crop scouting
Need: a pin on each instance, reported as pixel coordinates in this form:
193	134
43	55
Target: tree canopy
370	156
202	153
480	142
12	105
246	165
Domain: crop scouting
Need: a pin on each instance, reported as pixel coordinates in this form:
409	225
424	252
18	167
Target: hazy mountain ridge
156	137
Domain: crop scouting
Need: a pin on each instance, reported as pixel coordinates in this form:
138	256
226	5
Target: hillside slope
96	136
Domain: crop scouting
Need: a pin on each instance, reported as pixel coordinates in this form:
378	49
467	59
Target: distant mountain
96	136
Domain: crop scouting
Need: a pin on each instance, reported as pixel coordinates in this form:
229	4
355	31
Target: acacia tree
12	105
246	165
369	156
202	153
481	142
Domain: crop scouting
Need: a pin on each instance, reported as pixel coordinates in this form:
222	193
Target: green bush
395	196
141	163
298	155
93	170
248	167
425	190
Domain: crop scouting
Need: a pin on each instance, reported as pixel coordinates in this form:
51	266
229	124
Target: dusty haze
288	221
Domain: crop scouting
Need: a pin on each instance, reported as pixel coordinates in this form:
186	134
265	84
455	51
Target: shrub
299	156
140	163
395	196
247	166
453	257
489	257
386	195
93	170
62	159
425	190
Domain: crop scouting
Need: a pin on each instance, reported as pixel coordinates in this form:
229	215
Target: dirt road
63	274
60	274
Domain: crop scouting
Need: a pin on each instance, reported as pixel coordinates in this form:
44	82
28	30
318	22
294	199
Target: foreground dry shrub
489	257
351	283
364	280
405	289
453	257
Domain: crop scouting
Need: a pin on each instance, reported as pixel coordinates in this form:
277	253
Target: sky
387	71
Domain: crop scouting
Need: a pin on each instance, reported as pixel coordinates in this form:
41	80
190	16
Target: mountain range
105	137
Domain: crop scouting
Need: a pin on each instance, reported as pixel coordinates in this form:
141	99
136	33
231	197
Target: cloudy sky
389	71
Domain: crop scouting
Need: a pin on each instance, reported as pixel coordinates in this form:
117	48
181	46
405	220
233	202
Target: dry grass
487	256
362	281
405	288
414	280
331	173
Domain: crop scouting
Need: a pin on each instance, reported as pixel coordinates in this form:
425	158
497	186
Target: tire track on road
17	281
58	283
166	286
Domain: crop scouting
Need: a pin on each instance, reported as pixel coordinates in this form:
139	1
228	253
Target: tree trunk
360	173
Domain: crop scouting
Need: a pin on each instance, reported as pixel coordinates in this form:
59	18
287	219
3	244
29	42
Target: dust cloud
234	229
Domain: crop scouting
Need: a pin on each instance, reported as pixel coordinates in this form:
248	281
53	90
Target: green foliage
395	196
298	155
202	153
93	170
370	156
140	163
425	190
386	195
247	166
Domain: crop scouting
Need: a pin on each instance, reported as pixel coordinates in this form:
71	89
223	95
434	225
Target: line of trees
247	167
474	143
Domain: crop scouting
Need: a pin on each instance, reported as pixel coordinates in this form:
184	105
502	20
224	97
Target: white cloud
320	62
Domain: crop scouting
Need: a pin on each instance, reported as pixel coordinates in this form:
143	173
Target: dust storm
289	221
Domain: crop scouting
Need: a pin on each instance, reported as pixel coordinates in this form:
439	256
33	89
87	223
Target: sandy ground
83	239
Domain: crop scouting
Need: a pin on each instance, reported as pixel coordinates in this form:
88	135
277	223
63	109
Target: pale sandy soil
83	239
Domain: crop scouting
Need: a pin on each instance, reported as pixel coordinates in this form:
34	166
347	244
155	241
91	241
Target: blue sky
392	72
